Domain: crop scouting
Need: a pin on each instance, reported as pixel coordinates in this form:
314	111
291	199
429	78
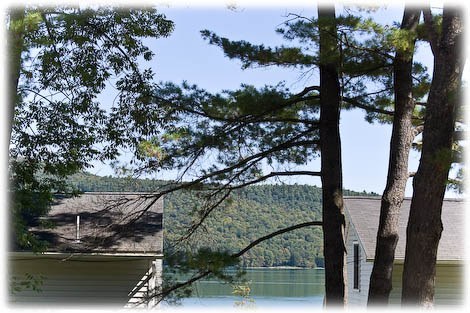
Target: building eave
84	255
438	262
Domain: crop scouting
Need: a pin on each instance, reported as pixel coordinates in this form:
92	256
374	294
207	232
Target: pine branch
356	103
293	142
275	174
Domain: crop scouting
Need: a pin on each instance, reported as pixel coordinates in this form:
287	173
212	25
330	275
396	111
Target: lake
269	288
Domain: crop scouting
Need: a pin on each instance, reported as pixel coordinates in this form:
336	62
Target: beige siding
449	277
82	282
449	285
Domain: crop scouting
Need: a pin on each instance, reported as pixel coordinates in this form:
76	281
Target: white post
78	229
155	282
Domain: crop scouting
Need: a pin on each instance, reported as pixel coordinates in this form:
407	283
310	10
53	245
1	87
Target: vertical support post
155	282
78	229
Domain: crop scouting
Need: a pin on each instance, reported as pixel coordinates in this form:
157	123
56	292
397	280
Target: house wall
84	281
449	281
449	289
356	297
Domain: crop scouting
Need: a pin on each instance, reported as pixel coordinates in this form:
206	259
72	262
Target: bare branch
161	295
460	135
275	174
359	48
273	234
433	36
418	130
293	16
204	216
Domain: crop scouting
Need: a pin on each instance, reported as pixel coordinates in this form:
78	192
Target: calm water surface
269	288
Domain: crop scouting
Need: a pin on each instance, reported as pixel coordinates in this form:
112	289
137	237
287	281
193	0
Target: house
103	249
362	215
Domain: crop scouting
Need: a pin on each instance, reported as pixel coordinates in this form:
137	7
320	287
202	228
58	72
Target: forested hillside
248	215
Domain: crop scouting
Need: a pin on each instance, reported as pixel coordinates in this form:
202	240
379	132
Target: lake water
269	288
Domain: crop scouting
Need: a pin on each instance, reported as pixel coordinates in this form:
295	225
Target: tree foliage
68	57
366	58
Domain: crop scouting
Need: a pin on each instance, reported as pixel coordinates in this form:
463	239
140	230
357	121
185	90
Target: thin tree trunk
424	224
331	168
15	49
400	145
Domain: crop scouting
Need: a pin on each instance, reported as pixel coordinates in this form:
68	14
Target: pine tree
403	134
424	225
331	168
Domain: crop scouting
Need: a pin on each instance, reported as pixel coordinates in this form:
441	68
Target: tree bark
331	167
400	145
15	48
424	224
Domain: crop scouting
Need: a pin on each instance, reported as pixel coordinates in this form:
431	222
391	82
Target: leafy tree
429	184
61	59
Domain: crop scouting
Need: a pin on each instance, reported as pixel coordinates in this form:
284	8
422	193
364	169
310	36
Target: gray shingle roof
363	214
109	223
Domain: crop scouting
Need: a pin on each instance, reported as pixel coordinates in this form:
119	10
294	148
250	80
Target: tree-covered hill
249	214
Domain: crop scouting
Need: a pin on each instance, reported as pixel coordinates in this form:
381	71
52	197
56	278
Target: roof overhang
401	261
83	256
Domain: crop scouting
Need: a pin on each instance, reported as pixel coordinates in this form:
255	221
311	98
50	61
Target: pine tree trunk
424	224
15	49
331	168
400	145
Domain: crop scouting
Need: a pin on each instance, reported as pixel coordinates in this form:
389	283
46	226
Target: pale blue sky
186	56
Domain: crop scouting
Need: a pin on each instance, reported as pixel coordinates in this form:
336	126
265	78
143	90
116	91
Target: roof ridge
363	197
405	198
118	192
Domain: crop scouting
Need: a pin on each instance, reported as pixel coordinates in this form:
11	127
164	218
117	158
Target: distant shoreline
284	268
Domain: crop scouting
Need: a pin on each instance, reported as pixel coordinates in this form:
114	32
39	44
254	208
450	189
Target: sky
364	146
186	56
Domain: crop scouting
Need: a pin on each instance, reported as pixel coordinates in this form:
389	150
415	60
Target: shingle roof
108	223
363	214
